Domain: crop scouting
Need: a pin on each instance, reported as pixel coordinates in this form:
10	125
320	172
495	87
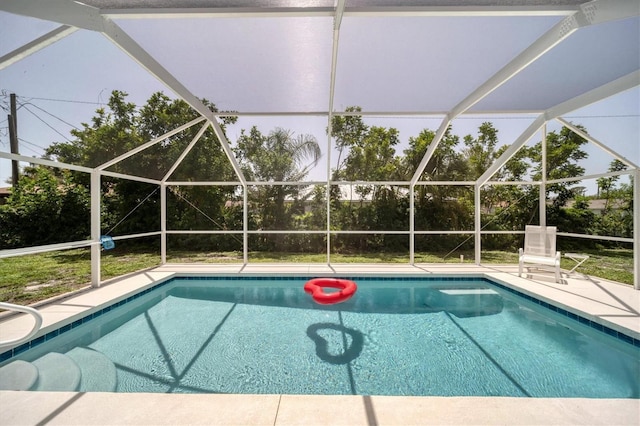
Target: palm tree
281	156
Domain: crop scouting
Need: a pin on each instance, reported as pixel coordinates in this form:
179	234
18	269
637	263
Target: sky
61	86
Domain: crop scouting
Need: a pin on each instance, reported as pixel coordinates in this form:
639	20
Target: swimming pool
409	336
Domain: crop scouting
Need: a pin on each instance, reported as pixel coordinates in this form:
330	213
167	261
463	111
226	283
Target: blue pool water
409	337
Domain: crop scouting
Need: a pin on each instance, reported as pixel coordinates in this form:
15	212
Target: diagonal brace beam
36	45
185	152
149	144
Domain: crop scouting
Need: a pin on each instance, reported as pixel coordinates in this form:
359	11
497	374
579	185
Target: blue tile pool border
4	356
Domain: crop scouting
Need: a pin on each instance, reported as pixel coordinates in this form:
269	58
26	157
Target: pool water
420	337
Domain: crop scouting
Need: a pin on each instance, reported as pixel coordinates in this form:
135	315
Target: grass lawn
28	279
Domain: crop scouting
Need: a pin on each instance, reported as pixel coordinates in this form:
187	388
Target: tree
279	156
439	207
369	155
121	127
44	209
563	153
347	131
616	221
606	184
480	152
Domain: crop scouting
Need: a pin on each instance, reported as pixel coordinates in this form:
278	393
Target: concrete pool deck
614	305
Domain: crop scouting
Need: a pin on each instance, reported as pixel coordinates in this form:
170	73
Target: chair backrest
540	240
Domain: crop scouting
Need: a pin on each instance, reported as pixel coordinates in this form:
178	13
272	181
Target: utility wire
57	100
32	144
47	124
54	116
30	149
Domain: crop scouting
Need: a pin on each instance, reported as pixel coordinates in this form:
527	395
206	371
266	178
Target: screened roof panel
425	63
569	69
245	64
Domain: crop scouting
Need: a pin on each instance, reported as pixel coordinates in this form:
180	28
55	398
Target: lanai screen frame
577	14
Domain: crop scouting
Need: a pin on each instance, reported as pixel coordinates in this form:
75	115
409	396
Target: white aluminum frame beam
44	162
636	229
43	249
259	12
337	22
36	45
595	141
150	143
185	152
96	195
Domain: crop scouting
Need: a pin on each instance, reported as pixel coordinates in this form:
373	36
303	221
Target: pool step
98	372
18	375
82	369
57	372
51	372
464	302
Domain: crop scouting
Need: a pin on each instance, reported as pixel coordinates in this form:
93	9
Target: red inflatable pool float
316	286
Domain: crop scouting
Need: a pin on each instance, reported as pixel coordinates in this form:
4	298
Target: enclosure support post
542	190
163	223
328	192
636	229
13	139
412	225
245	224
95	228
478	224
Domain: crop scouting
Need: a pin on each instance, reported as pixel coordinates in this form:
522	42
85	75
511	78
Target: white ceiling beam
217	12
391	114
36	45
456	11
337	21
410	11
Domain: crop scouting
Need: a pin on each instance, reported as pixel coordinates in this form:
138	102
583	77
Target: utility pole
13	139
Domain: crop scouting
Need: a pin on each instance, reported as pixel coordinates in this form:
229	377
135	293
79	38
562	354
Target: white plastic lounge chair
540	250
